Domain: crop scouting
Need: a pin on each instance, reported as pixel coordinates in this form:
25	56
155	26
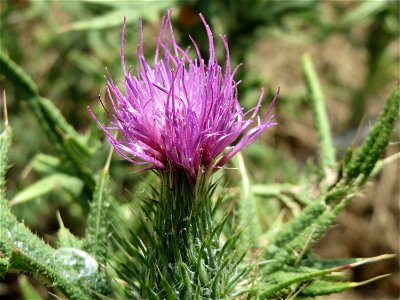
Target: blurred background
66	46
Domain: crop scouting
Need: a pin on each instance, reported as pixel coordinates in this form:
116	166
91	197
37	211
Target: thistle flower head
182	112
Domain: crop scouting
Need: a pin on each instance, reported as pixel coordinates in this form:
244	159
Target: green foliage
280	281
99	219
248	207
252	240
68	269
24	252
97	230
5	145
291	244
118	10
360	167
316	96
47	184
67	141
65	239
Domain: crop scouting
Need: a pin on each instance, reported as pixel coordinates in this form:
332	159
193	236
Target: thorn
391	158
364	261
357	284
60	221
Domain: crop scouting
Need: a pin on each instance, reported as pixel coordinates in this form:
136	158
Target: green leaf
5	145
96	238
17	76
24	260
293	228
49	117
247	207
291	253
112	19
46	164
187	283
363	11
284	280
271	190
65	239
48	184
98	227
322	287
321	121
148	10
363	162
22	251
167	286
127	4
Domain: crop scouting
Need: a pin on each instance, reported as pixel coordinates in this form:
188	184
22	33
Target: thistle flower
182	113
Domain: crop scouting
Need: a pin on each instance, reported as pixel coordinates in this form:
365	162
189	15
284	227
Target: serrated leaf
321	287
97	229
22	251
293	228
65	239
27	261
96	238
284	280
321	121
17	76
292	251
363	162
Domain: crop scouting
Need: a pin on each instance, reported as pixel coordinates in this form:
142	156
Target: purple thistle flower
182	113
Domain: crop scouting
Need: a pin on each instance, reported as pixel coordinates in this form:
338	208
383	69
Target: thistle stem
183	233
